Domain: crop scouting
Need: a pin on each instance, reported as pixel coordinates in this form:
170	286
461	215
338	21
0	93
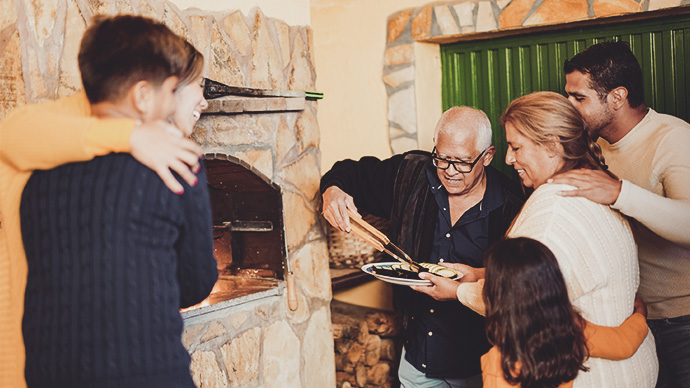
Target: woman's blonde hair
545	117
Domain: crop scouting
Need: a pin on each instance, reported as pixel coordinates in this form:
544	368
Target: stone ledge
237	105
214	311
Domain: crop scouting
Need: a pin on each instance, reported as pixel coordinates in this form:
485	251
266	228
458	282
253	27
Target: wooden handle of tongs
378	240
364	235
357	220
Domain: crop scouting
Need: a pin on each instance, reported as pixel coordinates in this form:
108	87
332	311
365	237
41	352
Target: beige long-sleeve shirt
653	160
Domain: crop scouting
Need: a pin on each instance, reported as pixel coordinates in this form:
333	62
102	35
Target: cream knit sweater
653	160
597	255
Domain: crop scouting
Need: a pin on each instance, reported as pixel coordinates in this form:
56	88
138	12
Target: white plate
368	268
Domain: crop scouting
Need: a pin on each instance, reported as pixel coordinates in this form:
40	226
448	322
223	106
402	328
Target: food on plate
396	272
440	270
403	270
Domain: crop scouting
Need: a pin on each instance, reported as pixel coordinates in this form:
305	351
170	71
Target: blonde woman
592	243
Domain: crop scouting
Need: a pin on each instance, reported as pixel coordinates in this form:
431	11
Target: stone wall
39	41
257	342
450	20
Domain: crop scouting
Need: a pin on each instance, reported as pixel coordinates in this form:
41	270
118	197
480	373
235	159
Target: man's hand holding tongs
336	203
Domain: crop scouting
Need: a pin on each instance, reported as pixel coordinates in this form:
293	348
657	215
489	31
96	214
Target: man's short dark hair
118	51
610	65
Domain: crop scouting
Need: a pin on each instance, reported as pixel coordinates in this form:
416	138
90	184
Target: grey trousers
410	377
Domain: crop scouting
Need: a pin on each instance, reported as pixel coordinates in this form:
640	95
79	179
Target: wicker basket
349	251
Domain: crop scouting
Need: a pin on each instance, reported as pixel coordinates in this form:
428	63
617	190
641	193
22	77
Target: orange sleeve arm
616	343
492	374
46	135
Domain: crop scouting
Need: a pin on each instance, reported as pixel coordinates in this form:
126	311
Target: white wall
349	42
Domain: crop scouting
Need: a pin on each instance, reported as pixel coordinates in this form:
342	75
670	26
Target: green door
488	74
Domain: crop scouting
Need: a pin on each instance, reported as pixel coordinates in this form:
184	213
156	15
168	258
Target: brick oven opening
248	232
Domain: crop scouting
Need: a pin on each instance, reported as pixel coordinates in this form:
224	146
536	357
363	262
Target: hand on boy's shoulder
160	146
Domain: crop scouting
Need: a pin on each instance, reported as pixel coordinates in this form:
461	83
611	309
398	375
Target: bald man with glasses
445	207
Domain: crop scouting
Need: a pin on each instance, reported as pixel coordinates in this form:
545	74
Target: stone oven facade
255	340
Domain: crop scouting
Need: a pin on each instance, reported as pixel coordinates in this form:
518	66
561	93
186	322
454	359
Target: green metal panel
488	74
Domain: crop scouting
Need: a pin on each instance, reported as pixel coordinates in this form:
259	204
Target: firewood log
383	324
387	384
363	333
392	365
372	350
361	375
343	345
378	374
345	327
342	378
337	330
389	350
355	353
343	364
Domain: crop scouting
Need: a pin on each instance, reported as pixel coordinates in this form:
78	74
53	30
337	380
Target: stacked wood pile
367	346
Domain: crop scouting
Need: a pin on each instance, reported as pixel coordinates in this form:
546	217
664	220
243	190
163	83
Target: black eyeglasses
460	166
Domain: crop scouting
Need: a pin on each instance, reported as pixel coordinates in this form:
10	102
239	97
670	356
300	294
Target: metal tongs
379	240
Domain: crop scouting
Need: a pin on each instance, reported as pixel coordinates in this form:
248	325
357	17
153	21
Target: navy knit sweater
112	256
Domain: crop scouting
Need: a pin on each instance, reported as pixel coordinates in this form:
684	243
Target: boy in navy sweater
112	253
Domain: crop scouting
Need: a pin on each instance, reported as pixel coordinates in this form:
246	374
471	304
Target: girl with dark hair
539	338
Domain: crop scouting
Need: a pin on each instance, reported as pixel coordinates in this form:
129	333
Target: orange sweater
613	343
39	137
